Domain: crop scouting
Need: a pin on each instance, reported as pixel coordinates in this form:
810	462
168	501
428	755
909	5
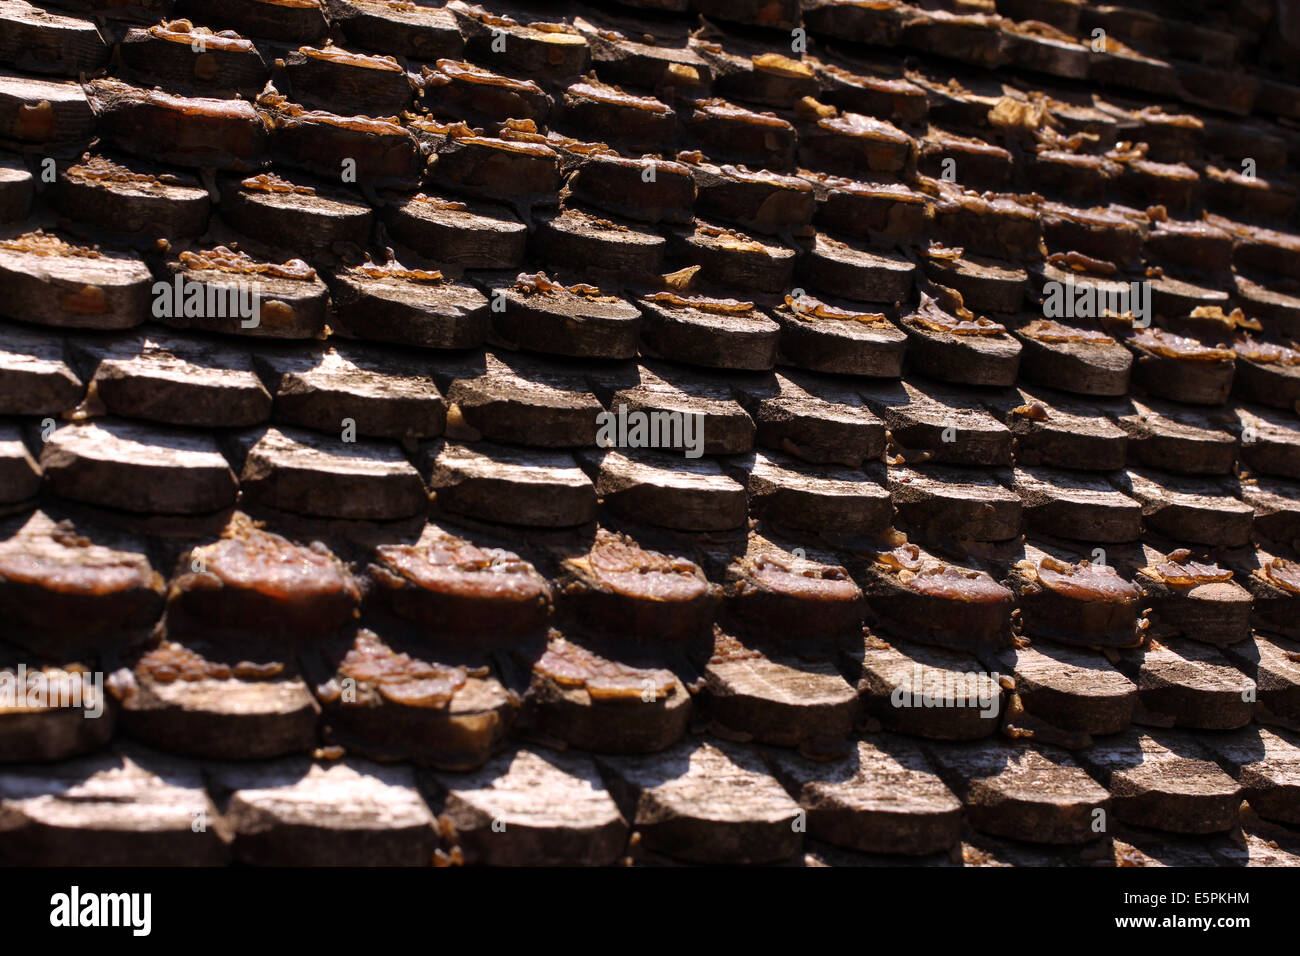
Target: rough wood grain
37	41
187	60
794	595
35	377
43	112
174	379
781	700
508	397
807	497
745	341
884	798
756	200
1163	780
138	468
1088	619
554	54
1174	437
1076	505
72	286
1059	431
1025	792
1213	612
560	322
578	241
534	808
1072	688
1273	663
941	502
666	490
131	197
424	33
498	483
854	272
17	189
448	315
814	419
128	807
252	581
925	417
310	474
308	216
1270	440
1191	684
986	285
705	802
731	133
370	87
855	343
523	175
469	235
1198	510
658	388
458	90
296	812
879	212
926	691
185	130
1084	368
1266	764
962	359
284	307
20	475
380	393
194	699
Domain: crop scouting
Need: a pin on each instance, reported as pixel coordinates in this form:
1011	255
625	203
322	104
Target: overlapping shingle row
712	432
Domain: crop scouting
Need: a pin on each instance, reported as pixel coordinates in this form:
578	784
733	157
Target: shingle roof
676	431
